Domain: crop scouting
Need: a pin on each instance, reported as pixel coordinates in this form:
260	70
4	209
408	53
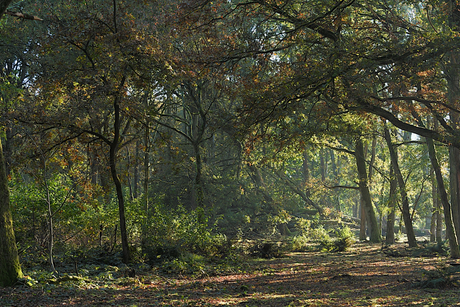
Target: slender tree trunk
375	235
363	220
371	170
402	190
433	225
121	205
10	269
448	219
362	214
306	173
435	207
450	228
113	170
439	215
136	172
454	159
128	174
51	239
355	208
146	183
50	221
390	237
198	176
323	165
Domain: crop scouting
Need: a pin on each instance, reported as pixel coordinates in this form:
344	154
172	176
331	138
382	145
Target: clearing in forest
364	275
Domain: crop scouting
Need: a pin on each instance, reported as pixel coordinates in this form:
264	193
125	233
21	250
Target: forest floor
364	275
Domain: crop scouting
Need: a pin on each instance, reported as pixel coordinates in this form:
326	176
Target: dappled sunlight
362	276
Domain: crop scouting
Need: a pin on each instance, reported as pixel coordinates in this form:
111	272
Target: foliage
267	249
179	232
223	120
343	240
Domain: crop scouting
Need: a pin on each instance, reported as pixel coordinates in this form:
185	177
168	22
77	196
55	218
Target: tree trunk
439	216
364	190
402	190
136	172
10	269
390	237
113	170
198	176
435	207
433	225
306	174
121	205
448	219
362	214
454	161
452	73
128	174
50	223
363	220
323	165
450	228
146	185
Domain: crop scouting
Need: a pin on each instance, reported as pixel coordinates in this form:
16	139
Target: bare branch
23	16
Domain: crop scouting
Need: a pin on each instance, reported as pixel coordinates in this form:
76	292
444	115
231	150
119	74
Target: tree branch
23	16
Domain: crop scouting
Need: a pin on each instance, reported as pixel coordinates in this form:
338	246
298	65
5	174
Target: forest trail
362	276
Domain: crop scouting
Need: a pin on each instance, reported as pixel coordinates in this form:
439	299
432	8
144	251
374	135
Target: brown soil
362	276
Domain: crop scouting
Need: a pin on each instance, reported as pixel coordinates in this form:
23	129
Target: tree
447	206
93	97
450	226
402	190
365	194
348	57
392	199
10	269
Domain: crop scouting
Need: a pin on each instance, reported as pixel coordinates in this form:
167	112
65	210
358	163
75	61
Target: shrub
299	243
174	233
266	250
344	239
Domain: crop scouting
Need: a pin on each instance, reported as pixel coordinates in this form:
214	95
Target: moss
10	269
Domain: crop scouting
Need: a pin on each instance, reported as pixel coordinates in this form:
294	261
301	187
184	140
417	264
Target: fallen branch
23	16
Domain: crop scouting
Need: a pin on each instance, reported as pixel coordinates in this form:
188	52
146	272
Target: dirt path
363	276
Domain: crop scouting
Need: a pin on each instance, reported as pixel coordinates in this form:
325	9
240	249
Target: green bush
187	263
343	240
318	234
175	233
299	243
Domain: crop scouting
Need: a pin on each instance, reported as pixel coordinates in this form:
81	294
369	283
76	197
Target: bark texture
365	194
402	190
10	269
450	228
390	237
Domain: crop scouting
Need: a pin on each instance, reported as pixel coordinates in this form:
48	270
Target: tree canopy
166	125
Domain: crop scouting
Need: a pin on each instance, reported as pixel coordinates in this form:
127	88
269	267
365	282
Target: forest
146	145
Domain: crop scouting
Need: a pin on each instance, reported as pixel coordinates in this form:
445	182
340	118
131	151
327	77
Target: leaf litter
364	275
